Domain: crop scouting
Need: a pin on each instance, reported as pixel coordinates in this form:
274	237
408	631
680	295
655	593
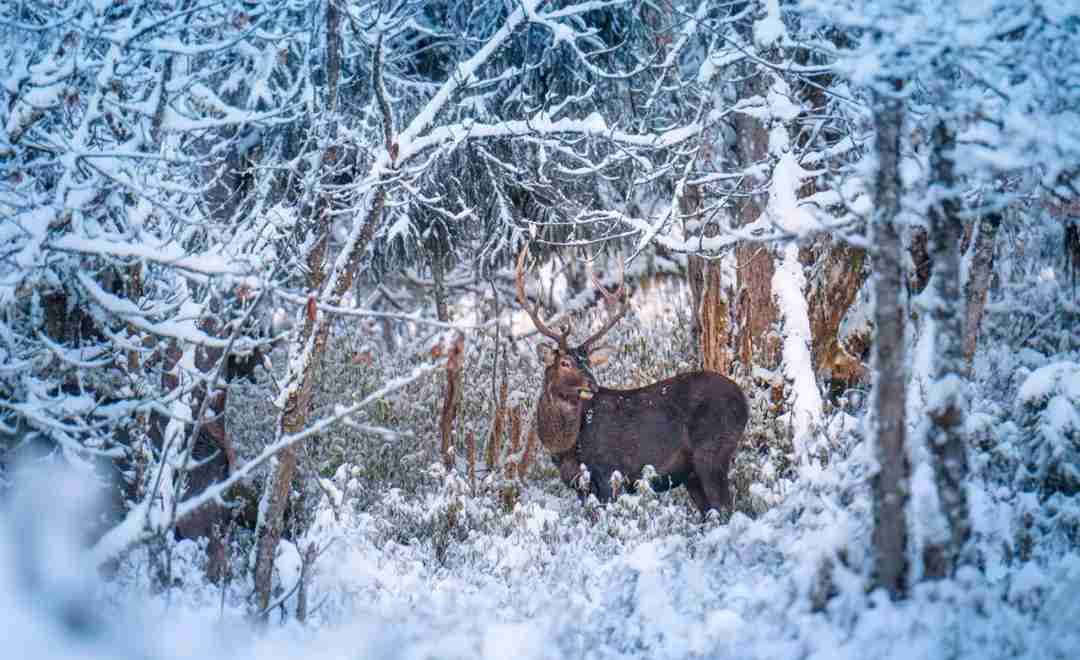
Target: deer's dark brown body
687	427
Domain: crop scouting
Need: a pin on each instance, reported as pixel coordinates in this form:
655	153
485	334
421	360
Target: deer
686	427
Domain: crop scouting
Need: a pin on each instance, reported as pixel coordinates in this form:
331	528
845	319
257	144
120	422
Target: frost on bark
980	272
890	484
946	403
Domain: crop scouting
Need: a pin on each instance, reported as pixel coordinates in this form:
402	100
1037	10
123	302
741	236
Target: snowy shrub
1048	413
1032	317
1023	461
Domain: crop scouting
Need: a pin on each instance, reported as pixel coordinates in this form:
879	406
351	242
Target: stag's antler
611	297
533	311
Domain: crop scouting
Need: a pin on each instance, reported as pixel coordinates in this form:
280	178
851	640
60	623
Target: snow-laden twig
397	316
183	330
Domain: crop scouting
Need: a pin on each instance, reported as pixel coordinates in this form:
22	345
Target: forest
540	329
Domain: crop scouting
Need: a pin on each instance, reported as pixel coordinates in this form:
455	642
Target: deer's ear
600	355
547	354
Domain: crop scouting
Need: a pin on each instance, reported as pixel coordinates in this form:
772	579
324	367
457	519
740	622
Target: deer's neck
558	422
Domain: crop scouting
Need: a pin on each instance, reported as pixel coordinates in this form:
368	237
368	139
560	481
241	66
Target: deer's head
568	370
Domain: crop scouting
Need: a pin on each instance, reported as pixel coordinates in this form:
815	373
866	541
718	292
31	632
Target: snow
788	283
552	578
770	29
1042	383
168	253
441	571
785	209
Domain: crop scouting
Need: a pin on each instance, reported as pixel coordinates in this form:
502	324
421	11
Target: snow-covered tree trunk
946	398
714	314
839	270
307	349
980	271
789	283
891	483
802	399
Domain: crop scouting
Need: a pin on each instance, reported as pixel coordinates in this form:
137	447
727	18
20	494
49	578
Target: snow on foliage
434	569
1048	404
158	171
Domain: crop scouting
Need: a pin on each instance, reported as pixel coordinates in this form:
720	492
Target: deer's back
662	423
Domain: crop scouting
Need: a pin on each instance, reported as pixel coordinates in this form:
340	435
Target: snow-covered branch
134	529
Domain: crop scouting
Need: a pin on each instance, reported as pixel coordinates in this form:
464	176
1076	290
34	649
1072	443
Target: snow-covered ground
449	575
436	571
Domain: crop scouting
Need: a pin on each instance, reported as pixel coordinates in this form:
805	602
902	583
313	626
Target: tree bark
715	318
755	344
711	330
839	270
978	281
890	484
455	356
438	277
451	395
921	259
316	329
946	405
841	274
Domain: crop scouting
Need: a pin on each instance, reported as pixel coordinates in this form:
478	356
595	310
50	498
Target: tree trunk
711	330
805	399
841	273
438	277
946	402
922	260
316	329
715	318
755	344
839	270
454	363
890	484
978	281
695	278
451	395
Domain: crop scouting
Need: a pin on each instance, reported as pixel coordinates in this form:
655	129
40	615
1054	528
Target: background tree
890	353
